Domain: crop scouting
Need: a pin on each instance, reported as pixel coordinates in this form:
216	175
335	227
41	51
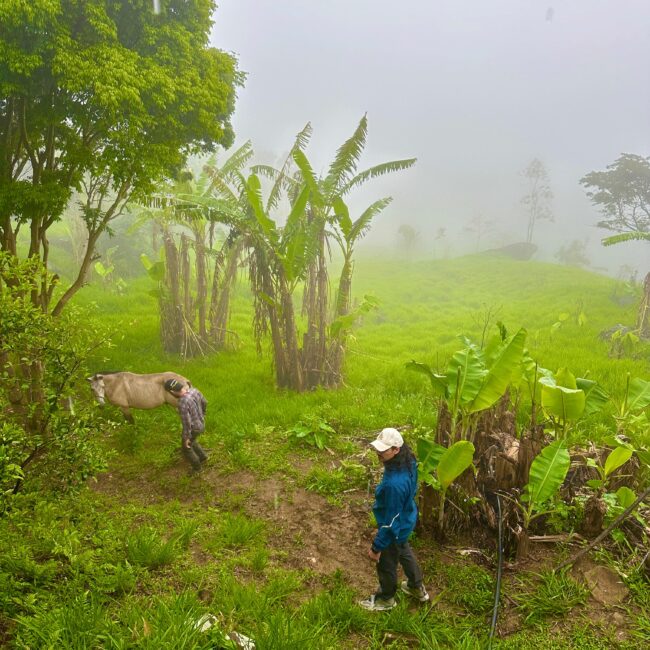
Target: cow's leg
127	414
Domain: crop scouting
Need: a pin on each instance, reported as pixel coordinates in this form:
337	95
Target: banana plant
632	413
475	380
441	466
562	400
547	473
615	459
328	325
279	261
327	199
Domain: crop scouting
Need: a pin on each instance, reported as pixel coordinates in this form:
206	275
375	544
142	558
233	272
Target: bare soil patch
313	533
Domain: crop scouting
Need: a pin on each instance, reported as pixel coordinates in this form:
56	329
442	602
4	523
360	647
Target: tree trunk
294	367
336	354
595	510
171	316
221	311
201	286
315	360
214	299
643	319
523	543
270	306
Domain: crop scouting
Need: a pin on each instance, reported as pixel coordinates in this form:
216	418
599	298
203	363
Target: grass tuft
554	596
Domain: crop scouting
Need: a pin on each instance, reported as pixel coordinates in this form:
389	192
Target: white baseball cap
388	438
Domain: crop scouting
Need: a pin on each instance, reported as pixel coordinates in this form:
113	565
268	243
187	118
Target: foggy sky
474	89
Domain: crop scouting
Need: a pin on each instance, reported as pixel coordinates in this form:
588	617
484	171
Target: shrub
46	440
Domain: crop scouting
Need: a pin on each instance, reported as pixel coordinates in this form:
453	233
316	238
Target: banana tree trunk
219	321
336	356
314	360
201	286
171	319
294	368
270	307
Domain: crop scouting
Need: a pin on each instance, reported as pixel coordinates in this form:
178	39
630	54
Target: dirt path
313	533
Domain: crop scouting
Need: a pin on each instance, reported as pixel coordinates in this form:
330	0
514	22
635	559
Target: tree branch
25	140
94	231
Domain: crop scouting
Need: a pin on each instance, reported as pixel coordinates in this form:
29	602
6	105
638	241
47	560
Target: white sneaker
374	604
415	592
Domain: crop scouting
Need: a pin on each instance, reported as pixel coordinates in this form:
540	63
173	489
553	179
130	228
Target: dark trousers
195	454
387	569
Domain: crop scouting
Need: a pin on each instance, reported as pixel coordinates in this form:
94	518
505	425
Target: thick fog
474	89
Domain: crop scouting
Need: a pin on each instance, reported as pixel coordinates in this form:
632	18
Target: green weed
641	629
237	531
81	621
554	595
164	622
469	587
115	579
146	547
313	431
333	482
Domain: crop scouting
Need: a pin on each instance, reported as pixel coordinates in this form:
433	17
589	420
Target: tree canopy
622	192
104	97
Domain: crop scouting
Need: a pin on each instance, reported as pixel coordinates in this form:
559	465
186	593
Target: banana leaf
438	382
465	374
454	462
254	196
639	394
561	402
616	458
644	456
595	396
564	377
429	453
625	496
547	473
499	375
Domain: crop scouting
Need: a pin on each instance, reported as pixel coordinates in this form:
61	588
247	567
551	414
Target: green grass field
271	537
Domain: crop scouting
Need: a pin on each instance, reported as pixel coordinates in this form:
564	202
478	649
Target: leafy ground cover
271	538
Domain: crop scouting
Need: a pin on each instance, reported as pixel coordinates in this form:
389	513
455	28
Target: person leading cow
191	408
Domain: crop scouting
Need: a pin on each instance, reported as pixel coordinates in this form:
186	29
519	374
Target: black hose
497	591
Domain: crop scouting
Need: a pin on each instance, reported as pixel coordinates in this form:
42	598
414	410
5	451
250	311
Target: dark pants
387	569
195	454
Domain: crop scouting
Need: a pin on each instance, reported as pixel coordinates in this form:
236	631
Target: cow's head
97	387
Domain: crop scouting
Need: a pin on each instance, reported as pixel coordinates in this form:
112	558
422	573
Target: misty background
474	89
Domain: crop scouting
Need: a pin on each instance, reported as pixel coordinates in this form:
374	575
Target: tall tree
537	199
622	193
107	93
410	237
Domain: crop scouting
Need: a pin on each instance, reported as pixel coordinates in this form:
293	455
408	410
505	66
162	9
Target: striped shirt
191	408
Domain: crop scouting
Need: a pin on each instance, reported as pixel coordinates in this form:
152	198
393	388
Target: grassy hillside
423	308
271	538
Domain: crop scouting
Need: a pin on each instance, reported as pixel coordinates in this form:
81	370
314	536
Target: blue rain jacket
395	509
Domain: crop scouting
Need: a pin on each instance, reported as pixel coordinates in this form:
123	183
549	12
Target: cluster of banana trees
478	385
198	266
286	240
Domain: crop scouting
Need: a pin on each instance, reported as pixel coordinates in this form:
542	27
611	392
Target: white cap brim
379	445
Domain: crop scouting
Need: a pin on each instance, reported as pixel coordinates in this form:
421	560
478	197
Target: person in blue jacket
396	512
